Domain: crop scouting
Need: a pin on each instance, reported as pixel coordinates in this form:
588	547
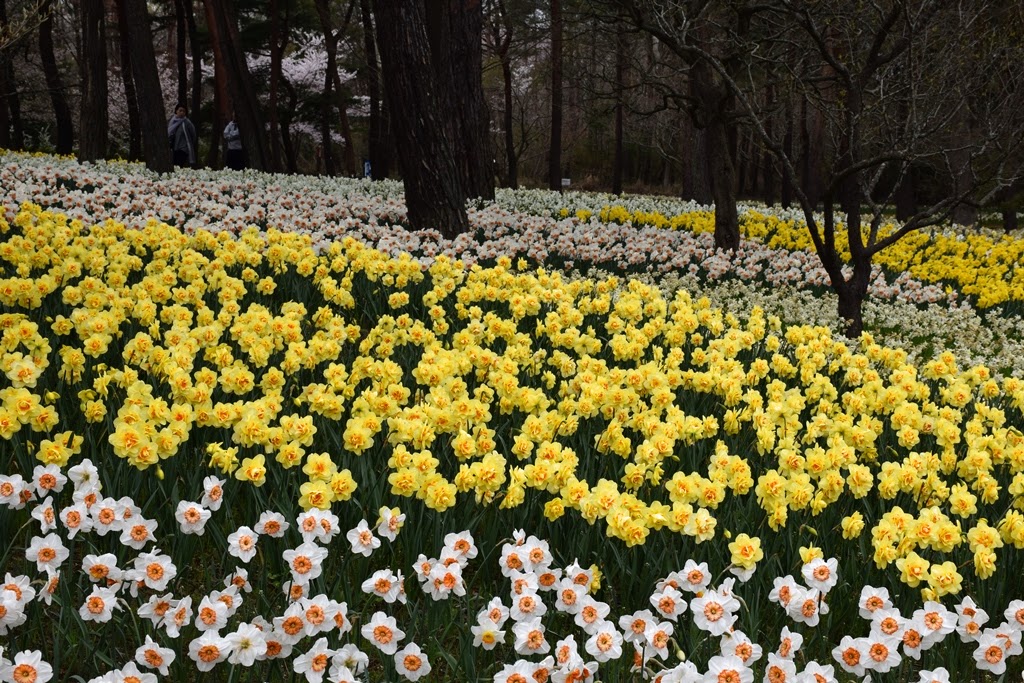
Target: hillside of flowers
922	317
251	429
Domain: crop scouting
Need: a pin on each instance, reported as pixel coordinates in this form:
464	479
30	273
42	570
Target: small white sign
566	182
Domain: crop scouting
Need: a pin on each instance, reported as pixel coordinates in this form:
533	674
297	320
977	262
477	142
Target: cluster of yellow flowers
597	397
979	265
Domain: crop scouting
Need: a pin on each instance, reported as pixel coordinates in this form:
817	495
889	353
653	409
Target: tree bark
326	142
723	187
696	182
434	197
812	140
9	88
286	130
712	113
1010	222
221	98
333	88
11	132
180	52
786	198
156	150
555	149
93	125
906	196
277	46
511	158
620	84
963	180
455	36
65	141
128	82
768	162
5	114
242	92
379	150
197	63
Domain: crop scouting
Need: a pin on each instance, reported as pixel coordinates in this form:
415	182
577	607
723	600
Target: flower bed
190	414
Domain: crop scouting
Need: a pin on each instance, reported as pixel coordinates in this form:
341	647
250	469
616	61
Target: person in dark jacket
234	153
182	137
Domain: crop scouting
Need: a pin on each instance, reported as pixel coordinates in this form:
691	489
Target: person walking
234	154
181	135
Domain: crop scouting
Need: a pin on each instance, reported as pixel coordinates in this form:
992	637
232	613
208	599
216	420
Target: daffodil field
252	429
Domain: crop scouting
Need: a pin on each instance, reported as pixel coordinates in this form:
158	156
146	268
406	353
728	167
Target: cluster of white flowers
538	590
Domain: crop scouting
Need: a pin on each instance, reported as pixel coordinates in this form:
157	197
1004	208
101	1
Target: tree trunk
128	82
1010	220
906	196
768	161
711	113
197	64
54	83
747	168
286	130
276	53
455	35
326	114
695	179
963	180
180	53
221	98
812	141
93	125
852	292
787	148
156	150
723	187
333	90
851	307
12	102
379	150
620	84
11	135
511	158
434	197
5	114
555	150
244	100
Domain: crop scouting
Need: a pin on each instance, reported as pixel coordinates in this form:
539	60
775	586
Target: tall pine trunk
195	46
723	187
244	100
455	35
334	92
276	54
620	84
379	152
712	114
555	149
180	52
93	126
787	149
286	127
128	82
11	131
511	158
65	141
433	194
221	98
326	113
156	150
1010	220
696	175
